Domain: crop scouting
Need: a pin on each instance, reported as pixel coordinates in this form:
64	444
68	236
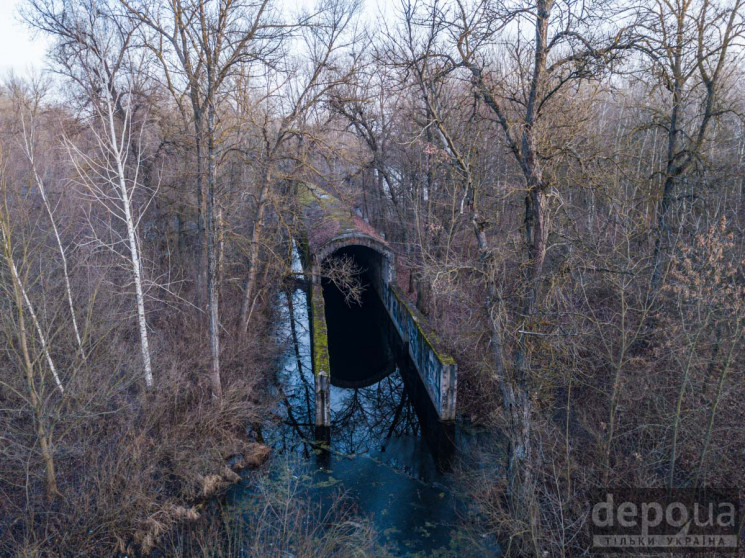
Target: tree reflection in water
364	419
367	418
387	451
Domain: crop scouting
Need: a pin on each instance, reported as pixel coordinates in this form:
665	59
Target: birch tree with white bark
200	45
28	99
106	180
109	169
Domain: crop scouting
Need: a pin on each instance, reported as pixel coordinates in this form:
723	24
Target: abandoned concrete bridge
332	228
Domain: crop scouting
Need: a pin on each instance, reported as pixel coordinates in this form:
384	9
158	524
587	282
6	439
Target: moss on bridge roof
327	218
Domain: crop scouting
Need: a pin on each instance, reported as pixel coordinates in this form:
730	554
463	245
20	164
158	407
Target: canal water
388	454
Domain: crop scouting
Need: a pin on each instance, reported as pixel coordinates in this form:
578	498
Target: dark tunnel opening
360	351
364	347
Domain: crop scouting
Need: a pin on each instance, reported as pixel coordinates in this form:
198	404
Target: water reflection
376	395
386	449
380	449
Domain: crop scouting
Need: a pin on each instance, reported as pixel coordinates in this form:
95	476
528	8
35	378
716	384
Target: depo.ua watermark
657	520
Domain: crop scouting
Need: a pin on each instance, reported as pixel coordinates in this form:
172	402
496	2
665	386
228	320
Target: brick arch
355	239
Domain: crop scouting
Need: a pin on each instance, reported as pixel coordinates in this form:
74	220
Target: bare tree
294	91
104	172
29	102
106	180
23	305
520	59
691	48
200	45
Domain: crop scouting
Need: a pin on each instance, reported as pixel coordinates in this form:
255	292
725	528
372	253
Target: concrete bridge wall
437	370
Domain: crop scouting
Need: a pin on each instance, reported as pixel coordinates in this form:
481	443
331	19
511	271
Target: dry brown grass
132	464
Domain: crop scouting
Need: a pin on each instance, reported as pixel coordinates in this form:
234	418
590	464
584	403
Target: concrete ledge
319	347
436	368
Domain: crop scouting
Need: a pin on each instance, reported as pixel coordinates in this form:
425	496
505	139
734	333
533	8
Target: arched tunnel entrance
360	343
364	346
357	341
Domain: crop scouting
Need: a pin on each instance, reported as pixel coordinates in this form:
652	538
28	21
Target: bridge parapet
437	369
320	355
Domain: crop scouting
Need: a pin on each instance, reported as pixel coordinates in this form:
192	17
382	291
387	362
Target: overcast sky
19	50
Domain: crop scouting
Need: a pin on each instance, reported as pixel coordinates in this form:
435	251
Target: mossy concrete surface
425	330
437	369
320	355
330	224
319	333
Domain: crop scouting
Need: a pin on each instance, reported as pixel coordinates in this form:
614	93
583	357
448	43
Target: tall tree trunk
201	211
536	236
671	171
134	251
253	262
517	394
212	279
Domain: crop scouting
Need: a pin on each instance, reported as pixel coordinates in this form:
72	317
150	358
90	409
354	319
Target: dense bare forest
563	182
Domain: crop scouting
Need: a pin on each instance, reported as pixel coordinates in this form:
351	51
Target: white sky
20	51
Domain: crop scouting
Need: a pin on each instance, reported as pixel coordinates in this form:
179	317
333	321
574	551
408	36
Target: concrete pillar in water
320	355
